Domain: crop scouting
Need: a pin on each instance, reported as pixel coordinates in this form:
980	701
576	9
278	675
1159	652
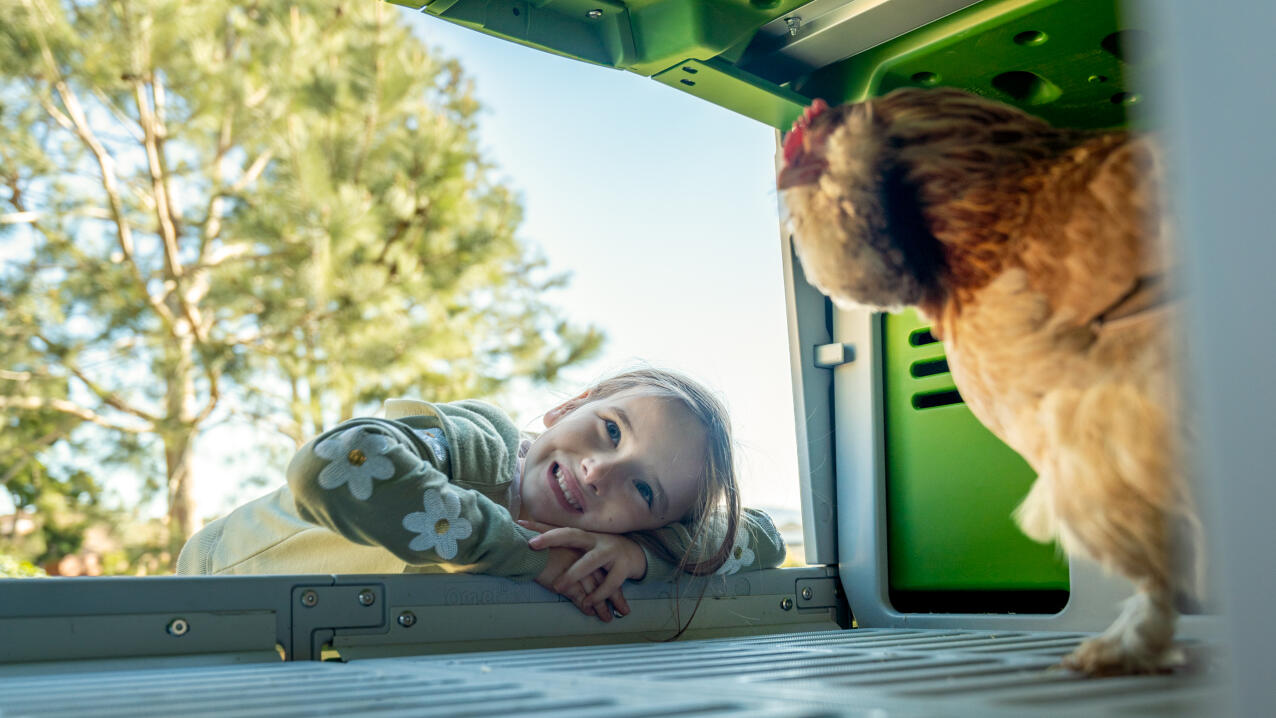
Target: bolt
367	597
786	603
594	14
178	627
793	23
407	619
807	593
309	598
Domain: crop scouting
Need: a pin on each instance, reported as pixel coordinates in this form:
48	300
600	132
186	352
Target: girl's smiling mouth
565	488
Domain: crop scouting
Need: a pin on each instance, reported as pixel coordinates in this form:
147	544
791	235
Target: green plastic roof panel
643	36
1066	60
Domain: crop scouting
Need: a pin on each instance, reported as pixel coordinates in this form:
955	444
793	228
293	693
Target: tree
276	208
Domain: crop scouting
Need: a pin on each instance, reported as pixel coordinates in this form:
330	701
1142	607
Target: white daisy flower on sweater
740	556
440	526
356	457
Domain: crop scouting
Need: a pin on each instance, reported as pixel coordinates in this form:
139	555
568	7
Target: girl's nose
597	474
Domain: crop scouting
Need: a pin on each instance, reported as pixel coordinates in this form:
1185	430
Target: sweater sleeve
757	545
373	482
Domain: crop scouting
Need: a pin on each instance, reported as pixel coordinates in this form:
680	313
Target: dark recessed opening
688	83
934	399
1125	98
1031	37
689	70
921	337
930	367
517	12
926	79
1027	87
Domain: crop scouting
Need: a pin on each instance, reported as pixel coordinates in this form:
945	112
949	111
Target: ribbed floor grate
865	672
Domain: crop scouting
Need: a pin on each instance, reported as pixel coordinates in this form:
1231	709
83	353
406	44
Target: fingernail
521	522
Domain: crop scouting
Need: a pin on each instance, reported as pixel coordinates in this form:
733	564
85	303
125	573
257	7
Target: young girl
631	480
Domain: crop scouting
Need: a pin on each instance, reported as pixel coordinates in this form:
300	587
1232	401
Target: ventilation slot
930	367
921	337
939	398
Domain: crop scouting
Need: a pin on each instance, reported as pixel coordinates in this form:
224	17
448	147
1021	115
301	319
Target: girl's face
625	463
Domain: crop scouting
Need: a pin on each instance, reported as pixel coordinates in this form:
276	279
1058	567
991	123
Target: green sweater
427	490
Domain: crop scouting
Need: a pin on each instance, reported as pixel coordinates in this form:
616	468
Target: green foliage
276	209
11	567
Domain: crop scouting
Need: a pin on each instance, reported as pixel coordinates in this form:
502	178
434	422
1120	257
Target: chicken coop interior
923	597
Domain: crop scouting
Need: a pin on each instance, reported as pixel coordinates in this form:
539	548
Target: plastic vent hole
690	70
1125	98
1127	45
688	83
921	337
925	79
930	367
1097	79
517	12
1026	87
939	398
1030	38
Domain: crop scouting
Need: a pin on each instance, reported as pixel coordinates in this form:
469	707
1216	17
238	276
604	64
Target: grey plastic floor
866	672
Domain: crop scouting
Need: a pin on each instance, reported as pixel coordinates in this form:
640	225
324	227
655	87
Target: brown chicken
1039	256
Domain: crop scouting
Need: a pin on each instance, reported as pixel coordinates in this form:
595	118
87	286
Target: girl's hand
607	560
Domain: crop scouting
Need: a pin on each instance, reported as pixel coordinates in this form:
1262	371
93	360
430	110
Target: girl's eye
613	431
644	491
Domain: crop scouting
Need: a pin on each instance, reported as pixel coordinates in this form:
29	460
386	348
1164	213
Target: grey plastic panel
1221	129
827	31
861	487
364	615
813	413
863	673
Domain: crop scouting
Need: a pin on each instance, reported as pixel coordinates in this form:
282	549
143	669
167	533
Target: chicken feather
1039	256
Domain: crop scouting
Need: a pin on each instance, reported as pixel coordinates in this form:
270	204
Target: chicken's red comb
793	143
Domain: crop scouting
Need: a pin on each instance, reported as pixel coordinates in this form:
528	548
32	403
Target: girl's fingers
584	566
618	600
563	538
577	596
609	586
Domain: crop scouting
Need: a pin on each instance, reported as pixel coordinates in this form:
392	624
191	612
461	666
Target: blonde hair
717	503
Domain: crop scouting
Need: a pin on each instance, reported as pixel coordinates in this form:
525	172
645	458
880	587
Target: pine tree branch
35	403
150	113
75	121
30	452
109	398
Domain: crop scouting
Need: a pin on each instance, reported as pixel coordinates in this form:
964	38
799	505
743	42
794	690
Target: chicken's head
804	148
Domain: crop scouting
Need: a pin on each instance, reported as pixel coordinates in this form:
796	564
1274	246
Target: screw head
367	597
178	627
807	593
309	598
407	619
594	14
786	603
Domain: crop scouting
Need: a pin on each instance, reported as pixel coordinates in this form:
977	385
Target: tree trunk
179	444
